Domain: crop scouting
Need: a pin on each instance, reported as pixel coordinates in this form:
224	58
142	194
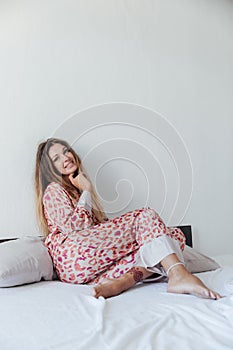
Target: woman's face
62	159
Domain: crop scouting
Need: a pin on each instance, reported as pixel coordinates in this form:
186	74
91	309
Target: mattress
55	315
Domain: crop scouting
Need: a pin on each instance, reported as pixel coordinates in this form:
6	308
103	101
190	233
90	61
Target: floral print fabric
87	251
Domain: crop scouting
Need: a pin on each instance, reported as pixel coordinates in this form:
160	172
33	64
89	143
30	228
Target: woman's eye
55	159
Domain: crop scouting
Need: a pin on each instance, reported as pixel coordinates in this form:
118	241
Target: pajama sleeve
85	201
60	213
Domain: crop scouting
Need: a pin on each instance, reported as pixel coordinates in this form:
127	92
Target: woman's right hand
80	182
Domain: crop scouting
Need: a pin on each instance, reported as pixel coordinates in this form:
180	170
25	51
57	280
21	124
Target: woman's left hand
80	182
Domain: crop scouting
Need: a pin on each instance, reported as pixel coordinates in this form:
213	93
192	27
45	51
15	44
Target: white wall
174	57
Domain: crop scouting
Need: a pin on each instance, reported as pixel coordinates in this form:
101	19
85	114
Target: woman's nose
65	157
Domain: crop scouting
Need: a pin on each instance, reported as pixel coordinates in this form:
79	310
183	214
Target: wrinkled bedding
55	315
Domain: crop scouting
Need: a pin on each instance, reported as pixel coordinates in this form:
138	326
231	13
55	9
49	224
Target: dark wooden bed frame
186	229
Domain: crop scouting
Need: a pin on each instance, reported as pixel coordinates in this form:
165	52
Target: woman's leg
179	281
152	242
112	287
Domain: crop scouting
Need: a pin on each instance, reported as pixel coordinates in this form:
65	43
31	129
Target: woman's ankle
177	271
139	273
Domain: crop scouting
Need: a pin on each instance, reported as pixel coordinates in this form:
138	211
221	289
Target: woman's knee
150	212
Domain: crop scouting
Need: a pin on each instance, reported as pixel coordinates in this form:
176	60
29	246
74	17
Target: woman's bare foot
183	282
112	287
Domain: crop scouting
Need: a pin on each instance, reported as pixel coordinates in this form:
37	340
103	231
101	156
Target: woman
87	247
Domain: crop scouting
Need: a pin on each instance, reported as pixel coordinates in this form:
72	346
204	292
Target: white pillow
224	259
24	260
198	262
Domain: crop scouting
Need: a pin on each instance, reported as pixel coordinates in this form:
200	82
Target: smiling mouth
68	164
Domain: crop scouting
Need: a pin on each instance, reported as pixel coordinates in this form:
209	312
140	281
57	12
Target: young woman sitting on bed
87	247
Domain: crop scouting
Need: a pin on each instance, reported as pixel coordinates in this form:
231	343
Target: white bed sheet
55	315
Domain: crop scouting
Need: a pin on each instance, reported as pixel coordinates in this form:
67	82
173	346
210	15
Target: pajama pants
111	248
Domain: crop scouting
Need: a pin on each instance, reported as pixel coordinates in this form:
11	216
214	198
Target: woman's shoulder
53	188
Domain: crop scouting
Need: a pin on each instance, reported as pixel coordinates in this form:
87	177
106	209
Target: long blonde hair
45	173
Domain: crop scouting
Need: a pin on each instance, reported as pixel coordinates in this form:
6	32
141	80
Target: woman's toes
215	295
94	292
210	294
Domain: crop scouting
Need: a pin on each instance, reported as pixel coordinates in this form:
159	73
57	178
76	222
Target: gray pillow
197	262
25	260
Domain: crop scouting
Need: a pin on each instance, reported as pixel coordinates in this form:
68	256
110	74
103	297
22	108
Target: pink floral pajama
86	251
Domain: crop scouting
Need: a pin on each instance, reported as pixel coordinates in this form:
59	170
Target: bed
55	315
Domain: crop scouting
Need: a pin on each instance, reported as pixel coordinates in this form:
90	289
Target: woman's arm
60	212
